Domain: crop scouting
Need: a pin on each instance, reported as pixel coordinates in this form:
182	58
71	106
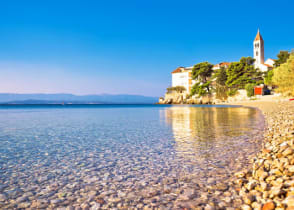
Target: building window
256	53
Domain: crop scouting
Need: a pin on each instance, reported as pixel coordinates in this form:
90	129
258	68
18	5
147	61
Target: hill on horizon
40	98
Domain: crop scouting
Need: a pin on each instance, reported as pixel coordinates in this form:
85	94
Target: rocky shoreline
268	183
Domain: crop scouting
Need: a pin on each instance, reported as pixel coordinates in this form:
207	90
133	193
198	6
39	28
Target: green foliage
241	73
221	89
221	76
268	77
284	77
282	58
202	72
232	92
221	92
249	89
200	89
178	89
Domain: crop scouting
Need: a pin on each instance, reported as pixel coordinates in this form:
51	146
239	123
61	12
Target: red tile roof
178	70
224	64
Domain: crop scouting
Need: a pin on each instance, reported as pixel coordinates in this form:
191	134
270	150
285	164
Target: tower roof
258	36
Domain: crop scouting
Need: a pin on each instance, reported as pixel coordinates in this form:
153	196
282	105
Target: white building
182	76
258	54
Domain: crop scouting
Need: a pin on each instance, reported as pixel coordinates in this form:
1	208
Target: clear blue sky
93	47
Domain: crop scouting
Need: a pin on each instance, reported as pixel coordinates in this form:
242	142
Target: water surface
120	155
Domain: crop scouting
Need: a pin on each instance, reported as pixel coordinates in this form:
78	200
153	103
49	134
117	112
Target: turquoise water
74	155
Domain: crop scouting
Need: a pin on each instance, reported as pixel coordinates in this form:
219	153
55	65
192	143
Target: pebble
268	206
289	201
3	197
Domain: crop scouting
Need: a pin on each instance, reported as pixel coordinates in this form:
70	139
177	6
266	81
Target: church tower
258	50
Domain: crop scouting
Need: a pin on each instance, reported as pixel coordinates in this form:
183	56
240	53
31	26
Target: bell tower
258	50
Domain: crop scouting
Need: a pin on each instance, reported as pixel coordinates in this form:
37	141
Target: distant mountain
13	98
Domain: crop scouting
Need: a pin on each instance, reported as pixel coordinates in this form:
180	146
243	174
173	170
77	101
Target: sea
121	156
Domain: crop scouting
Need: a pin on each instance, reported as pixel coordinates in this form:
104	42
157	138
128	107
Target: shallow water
120	155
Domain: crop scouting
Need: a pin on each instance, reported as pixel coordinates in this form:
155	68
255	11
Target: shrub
284	76
178	89
232	92
268	77
249	89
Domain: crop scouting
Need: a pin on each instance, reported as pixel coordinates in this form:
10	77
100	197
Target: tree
268	77
220	86
284	76
201	72
243	72
282	58
200	89
221	76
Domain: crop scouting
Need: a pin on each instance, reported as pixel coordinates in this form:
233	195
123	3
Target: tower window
256	53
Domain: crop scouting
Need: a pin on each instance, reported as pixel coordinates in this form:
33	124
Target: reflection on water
214	135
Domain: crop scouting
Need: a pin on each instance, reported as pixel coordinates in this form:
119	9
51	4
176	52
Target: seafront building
182	76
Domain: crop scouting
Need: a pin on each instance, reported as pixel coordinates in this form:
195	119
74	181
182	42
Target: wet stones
3	197
268	206
187	194
271	185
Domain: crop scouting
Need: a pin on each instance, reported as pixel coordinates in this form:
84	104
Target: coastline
267	183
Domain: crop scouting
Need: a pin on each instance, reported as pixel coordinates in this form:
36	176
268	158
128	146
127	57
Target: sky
129	47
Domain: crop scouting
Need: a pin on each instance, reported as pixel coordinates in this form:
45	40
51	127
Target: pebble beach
268	183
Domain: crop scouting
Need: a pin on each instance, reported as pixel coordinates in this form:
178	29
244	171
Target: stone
264	186
277	190
55	201
246	207
251	185
240	174
227	199
261	174
209	207
24	205
291	168
269	206
256	206
187	194
221	186
21	199
248	199
287	152
289	201
3	197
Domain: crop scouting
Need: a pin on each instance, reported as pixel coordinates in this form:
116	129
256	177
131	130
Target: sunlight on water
122	155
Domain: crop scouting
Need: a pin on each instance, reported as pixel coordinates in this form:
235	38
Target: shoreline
267	183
